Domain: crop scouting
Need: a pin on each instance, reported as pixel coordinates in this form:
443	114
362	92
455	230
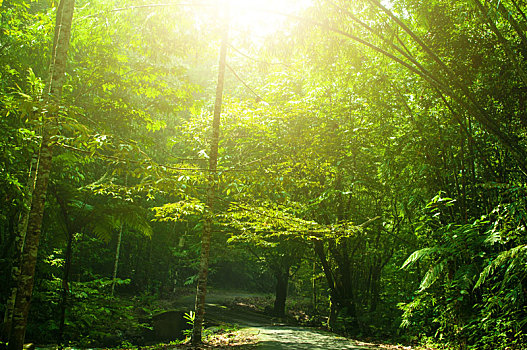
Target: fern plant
474	277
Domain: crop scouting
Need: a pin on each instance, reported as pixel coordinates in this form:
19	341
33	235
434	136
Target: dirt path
300	338
269	334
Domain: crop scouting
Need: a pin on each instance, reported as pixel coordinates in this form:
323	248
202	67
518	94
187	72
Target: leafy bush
472	295
93	318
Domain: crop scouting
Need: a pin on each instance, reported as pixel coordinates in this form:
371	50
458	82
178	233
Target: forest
354	166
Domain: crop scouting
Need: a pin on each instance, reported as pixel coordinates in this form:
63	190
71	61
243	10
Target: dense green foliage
372	160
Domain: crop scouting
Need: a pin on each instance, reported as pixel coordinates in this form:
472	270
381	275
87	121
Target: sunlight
263	17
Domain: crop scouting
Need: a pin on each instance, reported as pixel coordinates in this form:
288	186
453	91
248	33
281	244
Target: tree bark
282	281
116	261
118	248
70	231
65	288
211	196
318	246
29	256
19	247
314	286
332	318
340	286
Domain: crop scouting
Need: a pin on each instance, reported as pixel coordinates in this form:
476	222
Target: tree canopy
365	157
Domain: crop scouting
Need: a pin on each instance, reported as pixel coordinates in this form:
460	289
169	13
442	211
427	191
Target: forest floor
255	330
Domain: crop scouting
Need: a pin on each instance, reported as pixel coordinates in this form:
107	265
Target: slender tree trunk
65	288
70	231
211	196
374	288
116	262
19	247
118	248
314	287
519	9
513	57
318	246
464	201
148	268
29	255
470	104
507	15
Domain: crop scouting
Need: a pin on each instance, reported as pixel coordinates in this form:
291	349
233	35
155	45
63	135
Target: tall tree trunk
314	285
211	195
118	248
116	262
29	256
70	231
340	286
65	288
19	247
333	312
374	288
318	246
282	280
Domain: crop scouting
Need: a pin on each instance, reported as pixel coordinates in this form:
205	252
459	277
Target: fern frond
106	220
433	274
494	235
418	255
104	226
507	258
465	276
136	219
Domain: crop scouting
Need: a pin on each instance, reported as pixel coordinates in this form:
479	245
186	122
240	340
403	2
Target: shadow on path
270	335
300	338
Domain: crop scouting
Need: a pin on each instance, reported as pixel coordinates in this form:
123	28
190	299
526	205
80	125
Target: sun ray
261	18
